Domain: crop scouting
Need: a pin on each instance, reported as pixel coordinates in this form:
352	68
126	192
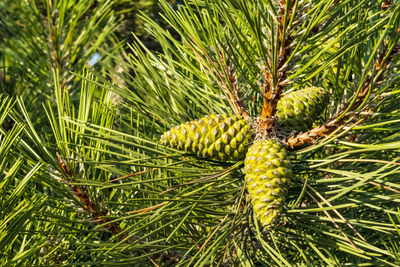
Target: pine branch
186	211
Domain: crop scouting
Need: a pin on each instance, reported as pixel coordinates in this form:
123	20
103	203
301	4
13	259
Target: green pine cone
298	110
220	137
268	175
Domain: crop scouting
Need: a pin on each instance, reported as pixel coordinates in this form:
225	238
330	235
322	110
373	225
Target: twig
81	195
213	233
339	120
327	130
333	221
370	160
380	185
231	88
337	213
386	4
144	210
203	179
53	43
130	175
239	203
153	262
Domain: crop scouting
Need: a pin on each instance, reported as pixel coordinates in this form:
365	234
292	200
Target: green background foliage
85	181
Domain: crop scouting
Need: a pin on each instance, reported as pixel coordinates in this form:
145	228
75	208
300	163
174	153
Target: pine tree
85	179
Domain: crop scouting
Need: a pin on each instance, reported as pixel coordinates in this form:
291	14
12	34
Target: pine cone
298	110
220	137
268	175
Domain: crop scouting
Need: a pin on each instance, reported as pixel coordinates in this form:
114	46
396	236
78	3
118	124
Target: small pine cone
268	175
298	110
220	137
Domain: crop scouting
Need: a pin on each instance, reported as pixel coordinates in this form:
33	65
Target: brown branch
81	194
231	88
54	51
310	136
99	215
272	89
341	120
386	4
328	130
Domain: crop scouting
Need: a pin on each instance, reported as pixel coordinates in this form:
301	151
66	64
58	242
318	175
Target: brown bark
81	195
272	90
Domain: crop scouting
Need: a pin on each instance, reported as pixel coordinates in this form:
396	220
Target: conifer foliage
258	133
